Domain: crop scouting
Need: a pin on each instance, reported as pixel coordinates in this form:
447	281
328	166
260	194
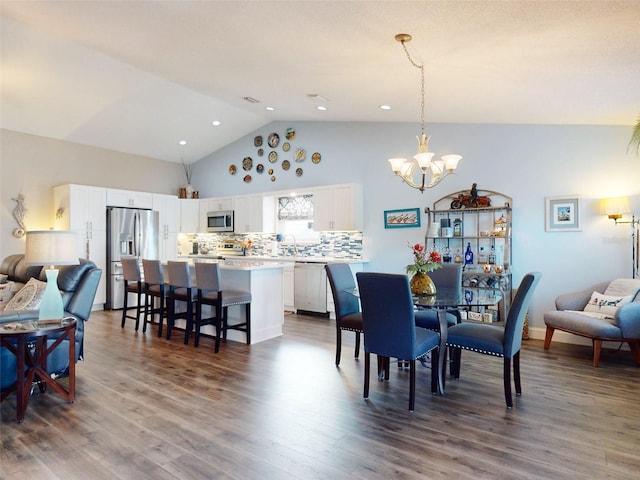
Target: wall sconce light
615	208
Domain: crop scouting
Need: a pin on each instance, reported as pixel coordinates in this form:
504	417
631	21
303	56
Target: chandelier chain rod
421	67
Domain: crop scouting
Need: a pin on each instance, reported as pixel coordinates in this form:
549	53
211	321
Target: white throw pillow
7	291
29	296
606	304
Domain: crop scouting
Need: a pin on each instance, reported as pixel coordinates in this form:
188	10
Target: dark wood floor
149	408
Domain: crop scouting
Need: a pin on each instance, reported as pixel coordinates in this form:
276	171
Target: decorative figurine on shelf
499	226
246	246
472	199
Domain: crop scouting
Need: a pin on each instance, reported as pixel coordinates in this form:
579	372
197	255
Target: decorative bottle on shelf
482	256
468	255
446	256
492	256
458	257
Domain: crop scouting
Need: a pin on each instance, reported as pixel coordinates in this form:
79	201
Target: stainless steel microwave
221	221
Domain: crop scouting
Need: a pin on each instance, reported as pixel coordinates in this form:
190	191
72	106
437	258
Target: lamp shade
615	207
51	247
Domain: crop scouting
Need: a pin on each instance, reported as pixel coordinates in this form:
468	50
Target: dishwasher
310	287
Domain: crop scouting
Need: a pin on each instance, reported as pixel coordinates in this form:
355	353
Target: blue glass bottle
468	255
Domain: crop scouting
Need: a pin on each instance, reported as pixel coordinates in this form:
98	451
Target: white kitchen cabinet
189	215
168	208
337	207
129	198
83	208
254	213
288	286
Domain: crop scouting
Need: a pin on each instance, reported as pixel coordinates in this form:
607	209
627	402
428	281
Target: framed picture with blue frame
403	218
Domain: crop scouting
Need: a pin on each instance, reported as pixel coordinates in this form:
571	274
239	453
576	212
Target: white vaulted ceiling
138	76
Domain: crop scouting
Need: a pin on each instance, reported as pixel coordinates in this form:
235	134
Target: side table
27	340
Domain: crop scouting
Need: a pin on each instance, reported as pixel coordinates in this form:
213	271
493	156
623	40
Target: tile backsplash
331	244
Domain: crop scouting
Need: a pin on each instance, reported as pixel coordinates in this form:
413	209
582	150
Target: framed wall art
404	218
562	214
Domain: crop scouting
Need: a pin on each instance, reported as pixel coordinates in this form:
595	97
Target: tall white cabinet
82	208
168	208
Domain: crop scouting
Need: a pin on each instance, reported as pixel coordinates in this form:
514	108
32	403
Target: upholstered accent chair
607	311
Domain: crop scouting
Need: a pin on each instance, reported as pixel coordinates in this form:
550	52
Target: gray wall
31	165
527	162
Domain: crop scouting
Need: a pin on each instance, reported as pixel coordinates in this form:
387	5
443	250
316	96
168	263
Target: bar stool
180	289
132	284
154	288
210	292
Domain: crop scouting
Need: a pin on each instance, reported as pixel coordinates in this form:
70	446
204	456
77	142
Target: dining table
445	300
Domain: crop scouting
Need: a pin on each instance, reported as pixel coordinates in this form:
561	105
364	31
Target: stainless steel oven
220	221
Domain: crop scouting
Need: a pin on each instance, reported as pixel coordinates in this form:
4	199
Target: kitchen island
264	280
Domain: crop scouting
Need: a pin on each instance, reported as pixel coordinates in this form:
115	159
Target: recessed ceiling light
182	142
216	123
322	108
271	109
385	107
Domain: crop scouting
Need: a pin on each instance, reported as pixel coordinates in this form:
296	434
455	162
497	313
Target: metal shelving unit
486	229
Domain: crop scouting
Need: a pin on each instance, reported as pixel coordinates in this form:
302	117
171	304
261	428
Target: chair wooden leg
367	364
507	383
434	373
198	322
138	308
146	313
412	385
357	352
189	326
547	337
387	367
338	345
247	313
171	309
597	346
516	373
124	309
634	346
455	362
162	313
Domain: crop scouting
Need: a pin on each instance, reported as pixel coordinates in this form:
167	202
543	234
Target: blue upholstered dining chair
497	340
448	276
347	305
389	328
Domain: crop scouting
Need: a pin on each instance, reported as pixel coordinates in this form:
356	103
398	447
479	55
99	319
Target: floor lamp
51	247
615	208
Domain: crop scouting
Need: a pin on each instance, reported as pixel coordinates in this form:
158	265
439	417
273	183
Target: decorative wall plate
270	172
300	154
232	169
273	178
274	139
273	157
260	152
286	146
298	172
315	158
286	164
260	168
257	141
247	163
290	133
247	178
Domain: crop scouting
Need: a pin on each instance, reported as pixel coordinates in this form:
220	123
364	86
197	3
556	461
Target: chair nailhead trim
475	350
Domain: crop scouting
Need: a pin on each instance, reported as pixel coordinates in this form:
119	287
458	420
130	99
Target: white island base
265	282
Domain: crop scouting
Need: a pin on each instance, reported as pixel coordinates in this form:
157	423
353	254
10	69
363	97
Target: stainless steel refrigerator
130	232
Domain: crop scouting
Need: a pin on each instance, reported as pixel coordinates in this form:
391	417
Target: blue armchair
78	284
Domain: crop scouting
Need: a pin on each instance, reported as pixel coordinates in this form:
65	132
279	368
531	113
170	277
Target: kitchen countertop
241	263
